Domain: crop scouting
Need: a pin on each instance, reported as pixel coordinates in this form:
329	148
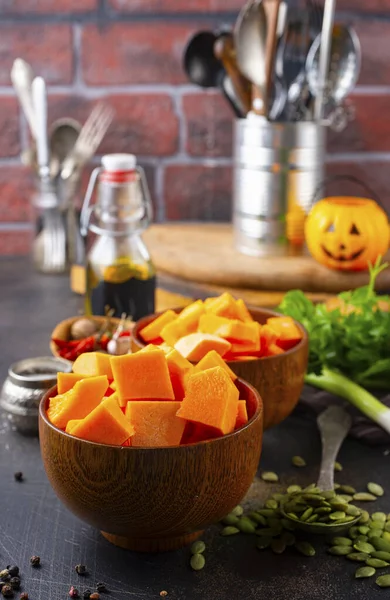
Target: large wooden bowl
279	379
152	499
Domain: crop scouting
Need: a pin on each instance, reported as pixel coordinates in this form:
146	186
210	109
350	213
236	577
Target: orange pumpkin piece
268	337
223	306
196	345
242	312
113	385
242	414
179	369
93	363
211	399
106	424
245	348
287	331
78	402
232	329
196	432
71	425
143	375
65	381
274	350
190	316
173	332
155	423
241	358
213	359
153	330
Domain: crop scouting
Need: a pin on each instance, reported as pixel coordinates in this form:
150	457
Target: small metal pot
24	387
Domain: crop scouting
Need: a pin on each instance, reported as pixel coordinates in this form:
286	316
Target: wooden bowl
152	499
279	379
62	329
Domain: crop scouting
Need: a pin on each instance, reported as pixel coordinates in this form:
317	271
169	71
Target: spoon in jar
334	424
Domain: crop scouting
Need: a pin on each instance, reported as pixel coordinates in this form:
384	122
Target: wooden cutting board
205	253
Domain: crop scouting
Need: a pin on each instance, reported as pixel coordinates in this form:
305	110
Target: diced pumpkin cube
242	414
213	359
274	350
196	432
179	368
210	323
109	392
245	348
196	345
93	363
113	385
71	425
65	381
231	329
242	312
155	423
268	337
78	402
106	424
143	375
153	330
211	399
190	316
127	443
223	306
242	358
288	334
173	332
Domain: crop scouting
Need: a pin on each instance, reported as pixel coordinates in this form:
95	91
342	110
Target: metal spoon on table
334	424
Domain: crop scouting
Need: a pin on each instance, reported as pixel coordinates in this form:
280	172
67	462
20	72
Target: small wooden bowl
152	499
279	379
62	329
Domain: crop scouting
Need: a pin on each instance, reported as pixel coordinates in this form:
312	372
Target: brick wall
129	52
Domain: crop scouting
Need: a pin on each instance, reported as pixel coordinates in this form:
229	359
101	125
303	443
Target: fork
91	135
294	60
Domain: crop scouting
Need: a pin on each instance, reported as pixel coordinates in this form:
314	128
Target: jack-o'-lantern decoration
347	233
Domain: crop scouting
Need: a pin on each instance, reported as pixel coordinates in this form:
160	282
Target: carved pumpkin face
347	233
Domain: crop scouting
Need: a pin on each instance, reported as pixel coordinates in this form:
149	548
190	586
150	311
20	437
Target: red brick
209	122
47	48
369	131
16	7
374	6
15	242
9	128
198	193
175	6
131	53
375	174
16	186
144	124
374	37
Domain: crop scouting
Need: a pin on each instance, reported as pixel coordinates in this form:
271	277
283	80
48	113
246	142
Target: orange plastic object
93	363
179	368
155	423
242	312
153	330
211	399
78	402
65	381
106	424
287	332
213	359
143	375
196	345
242	414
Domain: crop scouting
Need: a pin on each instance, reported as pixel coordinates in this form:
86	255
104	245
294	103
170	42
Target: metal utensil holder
277	170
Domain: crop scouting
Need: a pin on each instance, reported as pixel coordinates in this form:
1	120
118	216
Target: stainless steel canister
277	170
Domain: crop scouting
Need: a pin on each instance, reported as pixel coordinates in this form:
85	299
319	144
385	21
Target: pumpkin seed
311	488
335	516
271	503
376	489
288	538
346	519
377	525
358	556
328	494
338	504
263	542
364	497
269	476
380	544
259	519
294	488
268	532
336	486
322	510
364	518
287	524
278	546
238	511
364	572
381	554
245	525
361	538
338	466
383	581
386	536
292	516
353	532
230	519
364	547
373	533
379	516
341	541
197	562
387	526
278	497
346	497
298	461
363	529
230	530
377	563
308	512
312	519
198	547
305	548
266	512
347	489
353	510
339	550
314	499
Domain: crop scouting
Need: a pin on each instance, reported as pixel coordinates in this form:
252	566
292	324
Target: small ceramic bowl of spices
28	380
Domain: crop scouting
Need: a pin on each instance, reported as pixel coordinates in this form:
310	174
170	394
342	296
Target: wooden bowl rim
259	413
252	309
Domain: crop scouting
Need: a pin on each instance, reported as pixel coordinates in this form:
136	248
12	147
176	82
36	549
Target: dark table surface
33	521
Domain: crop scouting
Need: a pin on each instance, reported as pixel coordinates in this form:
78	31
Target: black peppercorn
15	583
101	587
87	594
81	569
35	561
73	592
18	476
4	575
7	591
13	570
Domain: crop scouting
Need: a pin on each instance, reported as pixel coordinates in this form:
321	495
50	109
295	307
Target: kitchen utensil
91	135
294	67
225	51
62	139
324	58
250	36
271	376
334	424
316	15
271	8
22	77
